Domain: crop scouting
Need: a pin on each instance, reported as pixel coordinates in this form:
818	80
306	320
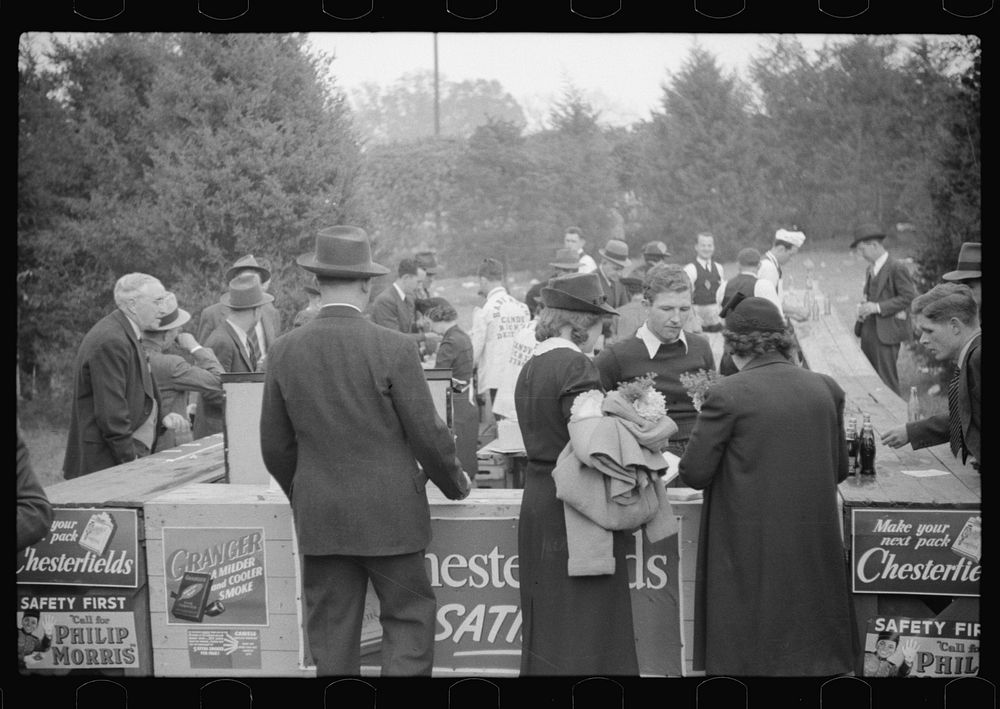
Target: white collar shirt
653	342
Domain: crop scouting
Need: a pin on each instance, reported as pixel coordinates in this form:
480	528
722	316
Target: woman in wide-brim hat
580	625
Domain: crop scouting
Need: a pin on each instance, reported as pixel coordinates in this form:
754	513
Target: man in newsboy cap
346	417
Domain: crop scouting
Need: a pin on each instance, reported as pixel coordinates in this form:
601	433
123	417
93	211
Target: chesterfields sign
84	547
915	551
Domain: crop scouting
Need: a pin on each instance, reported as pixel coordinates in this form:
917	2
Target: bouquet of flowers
647	401
698	384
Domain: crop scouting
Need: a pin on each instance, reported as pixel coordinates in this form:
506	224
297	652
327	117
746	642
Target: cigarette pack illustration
98	532
969	542
191	597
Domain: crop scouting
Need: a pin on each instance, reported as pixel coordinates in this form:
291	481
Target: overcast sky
621	74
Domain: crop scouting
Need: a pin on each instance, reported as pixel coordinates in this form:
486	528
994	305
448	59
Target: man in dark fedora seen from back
346	416
884	313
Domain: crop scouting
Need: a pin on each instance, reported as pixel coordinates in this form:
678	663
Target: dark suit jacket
768	447
391	311
935	430
225	343
175	377
893	290
216	313
346	415
113	394
34	513
614	290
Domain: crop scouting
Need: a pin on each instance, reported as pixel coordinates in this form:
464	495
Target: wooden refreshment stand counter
217	588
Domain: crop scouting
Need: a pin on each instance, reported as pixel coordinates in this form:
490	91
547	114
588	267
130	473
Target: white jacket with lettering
493	328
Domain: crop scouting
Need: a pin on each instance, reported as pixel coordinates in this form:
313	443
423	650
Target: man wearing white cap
786	244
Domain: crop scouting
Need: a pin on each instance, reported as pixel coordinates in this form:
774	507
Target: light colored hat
175	318
245	292
615	251
795	238
970	263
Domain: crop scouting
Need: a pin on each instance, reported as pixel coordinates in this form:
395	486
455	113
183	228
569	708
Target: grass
838	274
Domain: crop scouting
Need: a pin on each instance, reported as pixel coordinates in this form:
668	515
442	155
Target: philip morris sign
924	552
84	547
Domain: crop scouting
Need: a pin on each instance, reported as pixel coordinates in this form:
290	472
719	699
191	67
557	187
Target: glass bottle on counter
913	406
852	444
866	448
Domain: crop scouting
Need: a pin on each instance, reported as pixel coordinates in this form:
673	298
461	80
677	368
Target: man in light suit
235	344
947	319
117	415
883	315
346	416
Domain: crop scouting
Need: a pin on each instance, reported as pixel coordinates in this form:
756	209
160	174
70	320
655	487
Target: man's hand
187	341
48	625
466	485
896	437
866	309
176	423
432	338
909	649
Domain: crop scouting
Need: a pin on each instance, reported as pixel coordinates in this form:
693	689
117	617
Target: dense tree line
177	153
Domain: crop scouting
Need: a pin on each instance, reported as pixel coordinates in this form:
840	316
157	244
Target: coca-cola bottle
866	447
913	406
852	444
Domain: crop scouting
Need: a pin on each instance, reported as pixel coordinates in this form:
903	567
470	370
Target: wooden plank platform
829	347
131	484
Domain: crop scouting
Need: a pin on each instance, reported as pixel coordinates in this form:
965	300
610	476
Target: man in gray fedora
236	344
345	419
614	261
269	326
969	271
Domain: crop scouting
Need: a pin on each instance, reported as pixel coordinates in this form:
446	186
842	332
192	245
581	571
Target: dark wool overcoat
113	394
771	593
346	415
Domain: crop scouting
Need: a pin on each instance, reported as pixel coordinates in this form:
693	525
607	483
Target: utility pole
437	97
437	134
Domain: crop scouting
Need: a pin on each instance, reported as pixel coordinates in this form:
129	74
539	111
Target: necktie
954	418
253	346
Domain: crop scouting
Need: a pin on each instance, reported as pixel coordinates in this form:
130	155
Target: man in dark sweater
661	346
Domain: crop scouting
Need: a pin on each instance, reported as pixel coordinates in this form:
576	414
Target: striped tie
253	346
954	418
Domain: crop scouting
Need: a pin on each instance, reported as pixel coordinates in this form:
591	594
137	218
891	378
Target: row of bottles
861	446
861	442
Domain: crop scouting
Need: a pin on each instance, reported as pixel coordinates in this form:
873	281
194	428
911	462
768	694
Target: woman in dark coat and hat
455	352
768	448
579	625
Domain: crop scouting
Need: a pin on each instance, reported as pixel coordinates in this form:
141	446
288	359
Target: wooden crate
269	639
